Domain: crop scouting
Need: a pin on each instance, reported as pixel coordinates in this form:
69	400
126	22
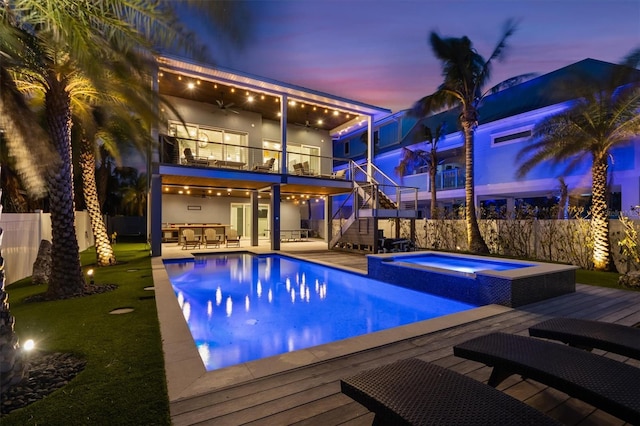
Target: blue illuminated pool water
241	307
460	264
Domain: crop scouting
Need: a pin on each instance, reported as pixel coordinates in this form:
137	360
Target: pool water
460	264
241	307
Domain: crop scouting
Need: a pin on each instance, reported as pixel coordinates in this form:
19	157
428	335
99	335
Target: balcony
215	155
450	179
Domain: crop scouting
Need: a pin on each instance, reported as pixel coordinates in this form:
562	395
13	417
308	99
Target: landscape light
29	345
90	275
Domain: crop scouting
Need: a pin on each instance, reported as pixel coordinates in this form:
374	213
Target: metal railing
173	150
450	179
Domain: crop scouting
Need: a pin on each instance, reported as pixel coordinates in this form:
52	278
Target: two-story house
246	155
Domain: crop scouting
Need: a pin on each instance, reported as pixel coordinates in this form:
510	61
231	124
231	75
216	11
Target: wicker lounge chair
416	392
600	381
587	334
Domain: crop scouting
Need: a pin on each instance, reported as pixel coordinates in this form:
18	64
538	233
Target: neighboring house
506	121
247	152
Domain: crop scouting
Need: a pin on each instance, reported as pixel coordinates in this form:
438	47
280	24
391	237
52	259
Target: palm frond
498	54
27	143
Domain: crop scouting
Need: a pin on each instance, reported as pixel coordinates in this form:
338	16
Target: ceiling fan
225	106
307	124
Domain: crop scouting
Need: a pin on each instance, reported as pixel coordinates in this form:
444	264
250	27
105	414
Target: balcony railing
192	152
450	179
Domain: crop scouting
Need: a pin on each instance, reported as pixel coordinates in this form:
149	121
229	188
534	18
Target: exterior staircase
359	213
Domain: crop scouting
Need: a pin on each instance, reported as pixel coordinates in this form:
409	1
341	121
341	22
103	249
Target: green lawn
123	382
602	279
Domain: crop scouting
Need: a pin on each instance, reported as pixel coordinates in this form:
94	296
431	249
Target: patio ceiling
238	91
205	187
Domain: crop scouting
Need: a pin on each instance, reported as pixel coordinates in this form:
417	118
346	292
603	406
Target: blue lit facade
506	120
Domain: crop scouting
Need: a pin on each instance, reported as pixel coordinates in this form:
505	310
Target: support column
155	203
275	217
253	199
369	148
328	216
284	101
153	161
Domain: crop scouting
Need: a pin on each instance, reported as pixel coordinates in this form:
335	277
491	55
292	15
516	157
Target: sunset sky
377	52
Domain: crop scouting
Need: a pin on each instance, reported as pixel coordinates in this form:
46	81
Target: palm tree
465	73
604	116
13	366
134	196
105	129
104	252
108	46
32	157
420	157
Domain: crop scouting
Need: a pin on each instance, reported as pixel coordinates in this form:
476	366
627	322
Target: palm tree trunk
474	237
13	367
104	251
602	259
66	273
433	169
432	184
564	197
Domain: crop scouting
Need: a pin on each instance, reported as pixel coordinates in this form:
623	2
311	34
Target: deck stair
358	226
375	198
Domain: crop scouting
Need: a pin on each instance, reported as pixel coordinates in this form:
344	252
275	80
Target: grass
123	382
601	279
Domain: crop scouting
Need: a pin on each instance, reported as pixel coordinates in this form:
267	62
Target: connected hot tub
474	279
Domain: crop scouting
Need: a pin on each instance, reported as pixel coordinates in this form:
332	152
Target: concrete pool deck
303	386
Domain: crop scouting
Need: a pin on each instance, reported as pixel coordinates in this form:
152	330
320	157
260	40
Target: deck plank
311	395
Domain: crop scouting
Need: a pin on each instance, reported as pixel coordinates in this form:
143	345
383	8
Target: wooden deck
311	395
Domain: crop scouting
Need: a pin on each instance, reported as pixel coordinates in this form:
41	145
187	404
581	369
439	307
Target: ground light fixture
90	275
29	345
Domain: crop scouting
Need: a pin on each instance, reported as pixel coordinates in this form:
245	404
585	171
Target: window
211	143
346	148
511	137
271	149
298	154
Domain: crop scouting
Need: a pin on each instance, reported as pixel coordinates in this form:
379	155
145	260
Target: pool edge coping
185	372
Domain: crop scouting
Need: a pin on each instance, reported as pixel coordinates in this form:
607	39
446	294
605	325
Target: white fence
22	235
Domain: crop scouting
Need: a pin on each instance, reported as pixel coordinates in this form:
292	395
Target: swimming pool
241	307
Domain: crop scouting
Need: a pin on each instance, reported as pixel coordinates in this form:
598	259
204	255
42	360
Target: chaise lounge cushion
416	392
588	334
600	381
